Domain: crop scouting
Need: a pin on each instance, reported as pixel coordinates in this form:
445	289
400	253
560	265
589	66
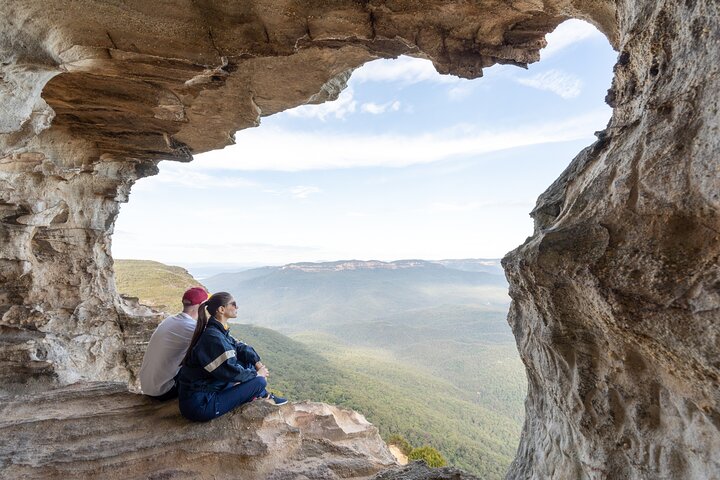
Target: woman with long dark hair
218	372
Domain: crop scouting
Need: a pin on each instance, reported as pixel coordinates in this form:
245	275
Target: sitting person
218	372
168	346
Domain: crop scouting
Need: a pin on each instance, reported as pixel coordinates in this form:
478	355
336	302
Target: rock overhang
171	80
615	304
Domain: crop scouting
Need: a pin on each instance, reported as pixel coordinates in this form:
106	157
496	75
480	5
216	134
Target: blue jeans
204	406
169	395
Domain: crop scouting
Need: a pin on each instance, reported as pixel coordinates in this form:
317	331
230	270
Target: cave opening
614	297
405	164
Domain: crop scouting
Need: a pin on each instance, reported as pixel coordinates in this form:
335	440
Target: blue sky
406	163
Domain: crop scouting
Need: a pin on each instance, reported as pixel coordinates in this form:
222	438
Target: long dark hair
210	306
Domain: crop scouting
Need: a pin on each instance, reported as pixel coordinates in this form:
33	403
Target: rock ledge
100	430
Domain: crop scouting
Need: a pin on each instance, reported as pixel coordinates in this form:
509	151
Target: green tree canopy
428	454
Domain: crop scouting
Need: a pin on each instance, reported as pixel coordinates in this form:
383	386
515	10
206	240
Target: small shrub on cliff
400	442
428	454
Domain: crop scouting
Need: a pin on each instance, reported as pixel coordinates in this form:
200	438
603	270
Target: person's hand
259	365
263	372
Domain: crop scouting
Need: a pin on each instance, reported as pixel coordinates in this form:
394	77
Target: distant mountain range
469	265
488	265
422	348
302	296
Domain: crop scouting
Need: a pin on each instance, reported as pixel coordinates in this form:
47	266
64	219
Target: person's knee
261	381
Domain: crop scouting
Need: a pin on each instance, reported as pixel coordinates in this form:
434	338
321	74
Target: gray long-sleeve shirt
164	353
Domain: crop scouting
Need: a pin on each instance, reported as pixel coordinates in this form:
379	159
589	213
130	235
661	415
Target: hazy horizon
203	270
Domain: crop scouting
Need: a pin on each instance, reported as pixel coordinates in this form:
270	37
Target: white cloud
564	84
172	173
373	108
377	109
275	149
302	191
403	70
381	180
130	245
448	207
443	207
566	34
340	108
461	90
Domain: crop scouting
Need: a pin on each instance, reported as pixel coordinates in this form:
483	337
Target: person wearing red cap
167	347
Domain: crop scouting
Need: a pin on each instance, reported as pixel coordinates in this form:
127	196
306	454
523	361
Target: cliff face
615	297
99	430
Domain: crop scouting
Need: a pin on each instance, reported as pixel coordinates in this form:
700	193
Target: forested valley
422	349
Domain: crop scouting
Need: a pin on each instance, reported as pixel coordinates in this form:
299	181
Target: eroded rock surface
100	430
418	470
615	297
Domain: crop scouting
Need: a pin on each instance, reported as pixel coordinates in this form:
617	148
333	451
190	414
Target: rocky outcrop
418	470
101	430
615	297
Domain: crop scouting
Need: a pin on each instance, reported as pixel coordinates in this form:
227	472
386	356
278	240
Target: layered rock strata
615	297
101	430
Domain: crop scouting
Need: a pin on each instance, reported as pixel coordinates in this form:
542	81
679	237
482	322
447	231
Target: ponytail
199	329
211	306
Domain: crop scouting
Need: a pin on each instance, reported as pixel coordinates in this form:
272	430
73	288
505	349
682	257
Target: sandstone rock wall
615	297
60	315
99	430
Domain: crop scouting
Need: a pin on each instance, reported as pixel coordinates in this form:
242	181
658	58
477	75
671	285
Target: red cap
194	296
